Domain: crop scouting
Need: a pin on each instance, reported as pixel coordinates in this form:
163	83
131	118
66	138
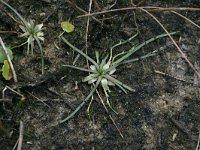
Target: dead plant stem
16	92
149	8
14	147
83	11
176	45
87	29
21	132
197	147
109	114
192	22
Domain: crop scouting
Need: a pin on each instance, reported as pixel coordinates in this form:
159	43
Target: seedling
32	32
101	71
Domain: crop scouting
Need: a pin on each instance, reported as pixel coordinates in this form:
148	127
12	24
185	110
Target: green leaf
6	70
67	26
3	54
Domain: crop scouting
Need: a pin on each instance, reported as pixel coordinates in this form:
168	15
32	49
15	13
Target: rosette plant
101	71
33	32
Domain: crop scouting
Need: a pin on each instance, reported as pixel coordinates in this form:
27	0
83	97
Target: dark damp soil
163	113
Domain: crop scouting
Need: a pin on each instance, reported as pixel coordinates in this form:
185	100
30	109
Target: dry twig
197	147
178	79
86	34
174	9
183	129
149	8
12	32
192	22
21	132
5	100
6	88
15	144
38	99
83	11
176	45
19	142
109	113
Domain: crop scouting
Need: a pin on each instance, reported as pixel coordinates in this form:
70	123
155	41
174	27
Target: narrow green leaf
84	101
135	49
78	68
80	52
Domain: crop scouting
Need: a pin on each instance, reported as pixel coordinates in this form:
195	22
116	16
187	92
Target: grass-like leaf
80	52
81	105
135	49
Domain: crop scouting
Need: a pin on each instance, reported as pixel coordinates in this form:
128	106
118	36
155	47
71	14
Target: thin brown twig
109	114
6	88
197	147
183	129
176	45
8	14
107	11
87	29
9	60
38	99
13	18
192	22
14	147
5	100
178	79
174	9
13	32
83	11
86	35
150	8
21	132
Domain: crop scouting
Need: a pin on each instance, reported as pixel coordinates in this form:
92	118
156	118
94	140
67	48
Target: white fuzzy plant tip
31	32
101	71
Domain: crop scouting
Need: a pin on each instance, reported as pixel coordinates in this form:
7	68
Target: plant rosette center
101	71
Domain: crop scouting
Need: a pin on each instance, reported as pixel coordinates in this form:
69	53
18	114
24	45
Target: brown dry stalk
21	133
147	7
102	102
174	9
15	144
197	147
192	22
87	29
178	79
13	32
16	92
83	11
176	45
107	11
5	100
